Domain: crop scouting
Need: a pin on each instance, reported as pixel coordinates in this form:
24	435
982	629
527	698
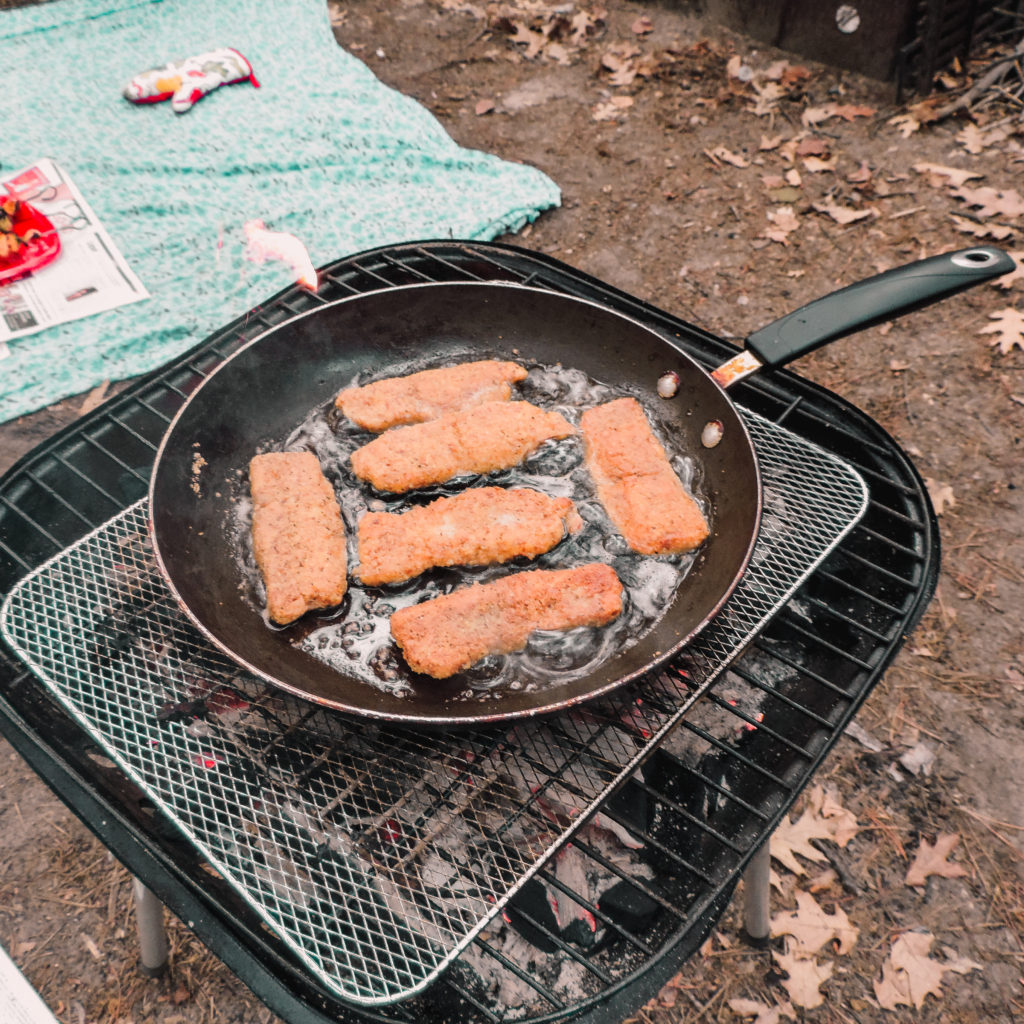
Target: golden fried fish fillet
635	481
297	533
428	394
481	526
447	634
481	439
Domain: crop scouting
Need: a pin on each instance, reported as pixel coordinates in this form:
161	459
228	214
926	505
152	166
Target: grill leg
149	915
756	899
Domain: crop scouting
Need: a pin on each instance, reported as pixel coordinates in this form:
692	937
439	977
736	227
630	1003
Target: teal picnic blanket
322	150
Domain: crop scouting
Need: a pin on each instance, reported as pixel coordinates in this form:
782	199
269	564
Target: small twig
707	1006
995	70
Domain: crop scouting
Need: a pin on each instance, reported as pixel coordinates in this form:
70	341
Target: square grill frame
887	568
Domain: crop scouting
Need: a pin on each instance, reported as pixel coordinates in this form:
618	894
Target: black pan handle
875	300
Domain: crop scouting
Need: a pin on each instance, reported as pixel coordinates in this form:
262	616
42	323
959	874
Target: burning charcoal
530	914
629	907
580	933
184	711
629	805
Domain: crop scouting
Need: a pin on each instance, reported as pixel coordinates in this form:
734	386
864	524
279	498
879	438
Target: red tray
34	254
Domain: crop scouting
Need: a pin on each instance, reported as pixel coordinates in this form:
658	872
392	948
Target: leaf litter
909	974
932	860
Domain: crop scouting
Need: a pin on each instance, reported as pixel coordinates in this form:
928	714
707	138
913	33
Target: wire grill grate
376	852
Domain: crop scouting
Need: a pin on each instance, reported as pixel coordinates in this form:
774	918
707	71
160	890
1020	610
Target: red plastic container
34	254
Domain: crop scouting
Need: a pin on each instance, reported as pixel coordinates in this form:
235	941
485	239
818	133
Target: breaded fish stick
481	439
635	481
448	634
297	533
428	394
481	526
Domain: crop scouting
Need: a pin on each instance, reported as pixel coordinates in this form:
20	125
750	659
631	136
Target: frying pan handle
875	300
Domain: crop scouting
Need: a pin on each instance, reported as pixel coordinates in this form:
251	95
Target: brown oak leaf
972	138
941	494
992	202
996	231
823	818
1017	274
931	860
1008	329
909	973
762	1012
905	124
843	214
848	111
938	175
809	927
806	976
783	221
721	153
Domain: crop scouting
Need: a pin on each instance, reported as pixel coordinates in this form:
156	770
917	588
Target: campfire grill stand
711	787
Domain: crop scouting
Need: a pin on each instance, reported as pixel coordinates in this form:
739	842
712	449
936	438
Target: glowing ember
266	245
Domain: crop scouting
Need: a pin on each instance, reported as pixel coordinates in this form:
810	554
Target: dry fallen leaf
642	25
1017	274
1008	329
842	821
762	1012
768	95
849	111
810	927
843	214
815	165
992	202
996	231
792	838
612	110
94	398
770	143
861	176
484	107
805	978
954	176
784	221
931	860
909	973
941	495
823	818
972	138
721	153
905	124
813	146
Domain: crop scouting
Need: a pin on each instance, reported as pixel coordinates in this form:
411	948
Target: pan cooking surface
355	638
275	393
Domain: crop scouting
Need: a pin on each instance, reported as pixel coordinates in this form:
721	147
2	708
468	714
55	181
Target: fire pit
522	871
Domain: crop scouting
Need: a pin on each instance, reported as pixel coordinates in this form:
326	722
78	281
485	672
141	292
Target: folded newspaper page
89	275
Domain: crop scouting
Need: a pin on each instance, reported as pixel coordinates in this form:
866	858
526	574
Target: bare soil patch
729	183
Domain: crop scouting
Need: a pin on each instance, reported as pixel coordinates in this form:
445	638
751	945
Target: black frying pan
254	401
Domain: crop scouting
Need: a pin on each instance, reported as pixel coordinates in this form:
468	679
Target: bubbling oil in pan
355	639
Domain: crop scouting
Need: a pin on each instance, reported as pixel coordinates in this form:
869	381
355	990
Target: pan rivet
712	433
668	384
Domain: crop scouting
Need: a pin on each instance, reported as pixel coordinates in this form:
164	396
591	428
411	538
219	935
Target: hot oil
355	639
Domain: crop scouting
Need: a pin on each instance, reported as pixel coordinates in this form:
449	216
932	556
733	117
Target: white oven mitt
185	82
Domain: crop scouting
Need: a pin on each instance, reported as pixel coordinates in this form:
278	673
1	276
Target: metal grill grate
378	853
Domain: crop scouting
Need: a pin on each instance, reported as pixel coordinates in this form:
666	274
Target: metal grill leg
149	915
756	898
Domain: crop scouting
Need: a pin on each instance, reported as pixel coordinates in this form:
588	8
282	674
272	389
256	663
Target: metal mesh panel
376	852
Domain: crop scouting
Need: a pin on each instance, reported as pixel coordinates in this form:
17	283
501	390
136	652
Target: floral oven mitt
185	82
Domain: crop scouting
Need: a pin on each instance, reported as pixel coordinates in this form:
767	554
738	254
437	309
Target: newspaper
89	274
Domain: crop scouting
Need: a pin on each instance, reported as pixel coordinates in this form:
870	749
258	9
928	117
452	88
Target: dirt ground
729	183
